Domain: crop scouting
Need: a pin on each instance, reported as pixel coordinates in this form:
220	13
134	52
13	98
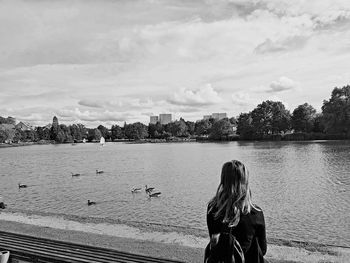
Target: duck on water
148	189
135	190
91	202
22	185
157	194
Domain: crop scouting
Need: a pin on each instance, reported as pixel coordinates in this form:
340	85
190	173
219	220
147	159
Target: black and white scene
175	131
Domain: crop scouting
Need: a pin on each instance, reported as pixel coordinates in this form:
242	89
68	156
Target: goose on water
91	202
135	190
75	174
99	172
148	189
22	185
157	194
2	205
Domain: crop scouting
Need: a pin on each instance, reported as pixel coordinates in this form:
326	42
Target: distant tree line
269	120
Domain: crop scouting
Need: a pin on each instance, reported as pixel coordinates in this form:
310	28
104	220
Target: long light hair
233	196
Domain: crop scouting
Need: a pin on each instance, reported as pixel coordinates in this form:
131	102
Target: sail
84	141
102	141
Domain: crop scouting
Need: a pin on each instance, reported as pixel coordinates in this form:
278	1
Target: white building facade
153	119
165	118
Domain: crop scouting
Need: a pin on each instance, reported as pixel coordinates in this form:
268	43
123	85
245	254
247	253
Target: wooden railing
24	248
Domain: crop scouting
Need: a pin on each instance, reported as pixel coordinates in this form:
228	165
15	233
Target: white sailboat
102	141
84	140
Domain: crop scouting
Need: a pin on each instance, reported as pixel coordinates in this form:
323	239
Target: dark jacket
250	233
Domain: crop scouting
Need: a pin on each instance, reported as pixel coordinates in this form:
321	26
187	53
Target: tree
104	132
156	130
54	129
94	135
318	123
233	121
245	128
42	133
221	129
136	131
64	134
270	117
303	118
203	127
116	132
19	135
78	131
336	111
8	120
4	135
7	132
281	118
190	127
30	136
177	128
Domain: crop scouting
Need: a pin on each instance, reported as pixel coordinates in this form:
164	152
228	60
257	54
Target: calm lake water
302	187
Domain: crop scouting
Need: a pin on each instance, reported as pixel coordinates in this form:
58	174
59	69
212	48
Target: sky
114	61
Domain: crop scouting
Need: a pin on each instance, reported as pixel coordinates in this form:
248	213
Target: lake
302	187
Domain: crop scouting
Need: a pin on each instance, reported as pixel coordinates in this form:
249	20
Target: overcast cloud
106	62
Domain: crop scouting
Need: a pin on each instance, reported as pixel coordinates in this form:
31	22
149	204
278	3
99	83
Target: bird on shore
157	194
135	190
75	174
91	202
22	185
148	189
99	172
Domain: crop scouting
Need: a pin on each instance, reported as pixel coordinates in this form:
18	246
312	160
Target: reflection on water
303	187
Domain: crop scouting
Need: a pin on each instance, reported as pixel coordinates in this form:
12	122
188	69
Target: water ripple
302	187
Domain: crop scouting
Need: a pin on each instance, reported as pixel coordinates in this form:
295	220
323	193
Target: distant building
153	119
219	116
165	118
23	126
206	117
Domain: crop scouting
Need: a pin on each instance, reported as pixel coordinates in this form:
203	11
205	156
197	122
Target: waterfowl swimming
2	205
135	190
99	172
91	202
22	185
75	174
148	189
157	194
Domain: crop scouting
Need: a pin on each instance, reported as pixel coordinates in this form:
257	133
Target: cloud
243	99
282	84
91	116
111	57
247	102
90	103
201	97
291	43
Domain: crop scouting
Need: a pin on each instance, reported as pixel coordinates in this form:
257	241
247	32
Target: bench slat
46	250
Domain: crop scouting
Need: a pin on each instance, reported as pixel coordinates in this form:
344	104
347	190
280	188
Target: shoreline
168	246
159	141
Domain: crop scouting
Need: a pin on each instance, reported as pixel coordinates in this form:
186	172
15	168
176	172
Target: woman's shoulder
256	211
255	216
256	208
